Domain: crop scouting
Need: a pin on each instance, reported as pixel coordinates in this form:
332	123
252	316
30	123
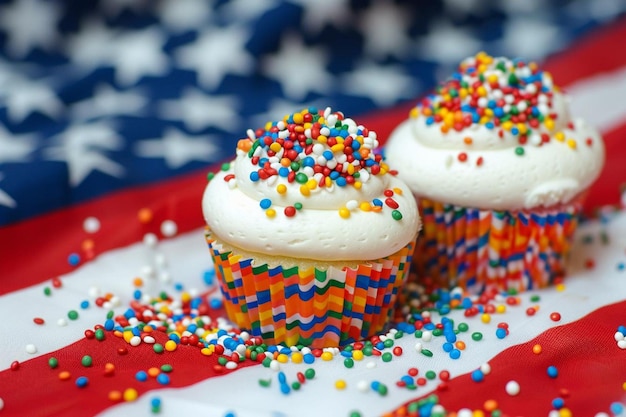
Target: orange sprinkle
145	215
64	375
460	345
490	405
115	395
537	349
244	144
377	209
154	372
88	244
467	140
138	282
444	129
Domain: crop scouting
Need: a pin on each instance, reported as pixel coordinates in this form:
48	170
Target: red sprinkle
555	316
15	365
38	320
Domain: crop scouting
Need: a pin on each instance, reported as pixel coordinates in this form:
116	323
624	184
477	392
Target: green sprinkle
225	166
110	314
477	336
301	178
463	327
427	352
431	375
519	151
222	360
355	414
367	350
388	343
535	298
210	176
387	357
167	368
418	334
86	361
348	363
47	291
72	314
399	334
396	215
297	206
309	373
295	385
295	166
53	362
100	334
158	348
382	389
265	382
437	332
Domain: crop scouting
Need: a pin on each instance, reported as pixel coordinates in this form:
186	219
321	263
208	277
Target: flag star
532	38
107	101
322	13
92	47
5	199
247	10
385	30
299	69
24	97
15	148
217	53
182	15
459	43
29	24
385	85
178	149
82	147
199	110
139	53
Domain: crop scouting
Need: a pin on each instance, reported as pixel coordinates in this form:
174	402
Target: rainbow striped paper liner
312	307
482	250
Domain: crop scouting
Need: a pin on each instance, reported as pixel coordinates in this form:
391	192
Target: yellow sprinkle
128	335
565	412
571	143
500	308
298	118
357	185
549	123
207	351
478	413
485	318
130	394
481	91
270	212
337	148
449	119
268	125
522	128
489	112
327	356
560	136
357	355
305	191
560	287
350	169
281	188
443	112
297	357
322	139
185	297
624	386
344	212
275	147
507	125
365	206
170	346
340	384
398	190
339	140
311	184
328	182
492	79
282	358
463	93
414	113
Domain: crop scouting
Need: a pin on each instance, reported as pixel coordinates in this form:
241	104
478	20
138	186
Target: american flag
111	114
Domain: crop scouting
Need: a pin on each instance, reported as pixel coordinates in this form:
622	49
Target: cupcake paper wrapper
486	249
313	307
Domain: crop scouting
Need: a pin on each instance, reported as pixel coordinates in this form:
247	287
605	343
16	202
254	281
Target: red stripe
591	367
37	388
36	250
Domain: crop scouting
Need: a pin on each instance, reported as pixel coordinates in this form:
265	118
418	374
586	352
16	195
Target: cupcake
310	232
499	169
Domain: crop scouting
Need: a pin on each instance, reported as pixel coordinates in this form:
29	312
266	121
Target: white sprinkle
231	365
135	341
621	344
149	340
370	365
465	412
274	365
30	348
169	228
362	386
165	277
91	225
485	368
512	388
418	347
427	335
150	240
61	322
535	139
618	336
250	133
147	271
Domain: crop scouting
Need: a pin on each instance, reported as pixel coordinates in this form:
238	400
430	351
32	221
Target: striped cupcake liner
309	306
482	250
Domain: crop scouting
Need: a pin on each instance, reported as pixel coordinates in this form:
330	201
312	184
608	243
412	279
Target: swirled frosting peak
311	186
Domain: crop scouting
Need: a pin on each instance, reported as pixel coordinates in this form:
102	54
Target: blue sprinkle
209	276
155	402
284	388
346	353
375	385
308	358
341	182
73	259
82	381
265	203
163	379
380	345
328	155
447	347
109	325
230	414
430	120
334	175
455	354
558	403
283	172
141	376
215	303
407	379
617	408
377	202
501	333
254	176
514	130
489	125
221	332
174	337
477	375
356	145
282	378
552	371
308	161
137	294
84	304
135	331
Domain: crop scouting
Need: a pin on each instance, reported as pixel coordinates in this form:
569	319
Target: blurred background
98	96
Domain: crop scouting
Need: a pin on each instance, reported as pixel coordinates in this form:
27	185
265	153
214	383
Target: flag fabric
112	113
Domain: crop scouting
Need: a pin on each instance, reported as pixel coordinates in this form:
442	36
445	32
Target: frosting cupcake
500	169
310	232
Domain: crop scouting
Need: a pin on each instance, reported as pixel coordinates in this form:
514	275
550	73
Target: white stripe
586	290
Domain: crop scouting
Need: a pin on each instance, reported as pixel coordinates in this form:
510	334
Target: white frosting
491	162
335	221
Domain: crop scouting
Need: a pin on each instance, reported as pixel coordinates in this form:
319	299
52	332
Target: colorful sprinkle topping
509	96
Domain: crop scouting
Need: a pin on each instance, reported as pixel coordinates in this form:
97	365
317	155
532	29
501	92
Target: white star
299	69
29	24
139	53
92	46
323	12
81	146
600	10
247	10
24	97
385	30
217	53
5	199
446	44
385	85
182	15
106	101
15	148
531	38
178	149
199	110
